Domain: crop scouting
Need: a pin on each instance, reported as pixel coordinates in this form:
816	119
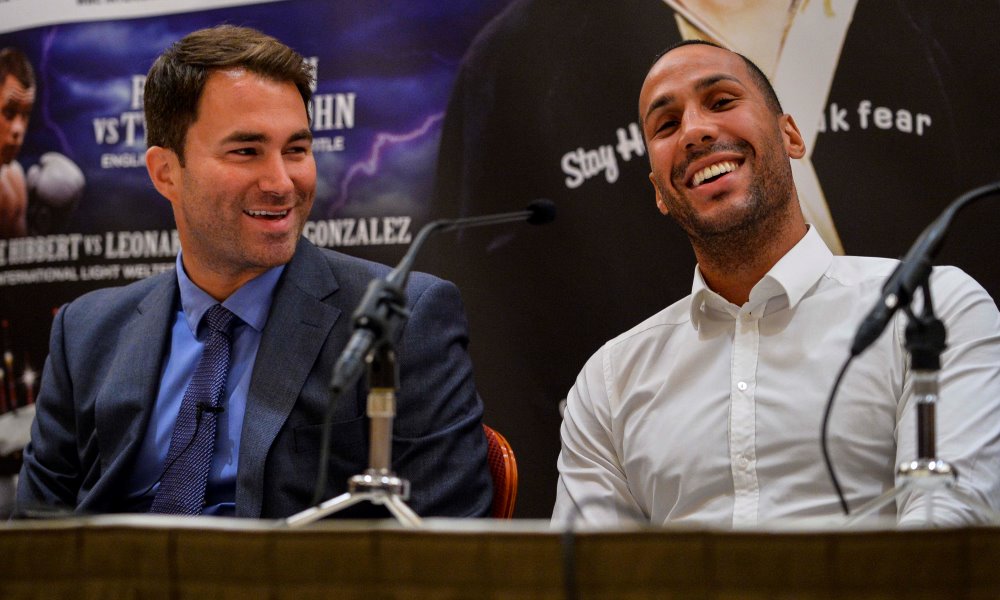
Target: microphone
912	271
542	211
382	310
205	407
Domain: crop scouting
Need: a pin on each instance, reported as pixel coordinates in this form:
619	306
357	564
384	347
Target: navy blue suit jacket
106	355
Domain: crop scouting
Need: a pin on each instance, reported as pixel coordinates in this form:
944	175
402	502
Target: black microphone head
542	211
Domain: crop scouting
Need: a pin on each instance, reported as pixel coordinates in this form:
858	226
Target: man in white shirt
709	412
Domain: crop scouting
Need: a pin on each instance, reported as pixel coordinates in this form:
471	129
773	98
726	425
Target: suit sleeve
439	445
50	477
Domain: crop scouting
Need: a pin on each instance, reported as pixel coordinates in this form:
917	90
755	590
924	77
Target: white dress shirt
710	413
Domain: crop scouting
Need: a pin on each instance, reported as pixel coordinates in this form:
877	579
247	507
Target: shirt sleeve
968	410
592	486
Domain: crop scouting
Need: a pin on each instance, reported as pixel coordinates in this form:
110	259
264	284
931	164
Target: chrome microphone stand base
378	484
371	486
925	341
928	475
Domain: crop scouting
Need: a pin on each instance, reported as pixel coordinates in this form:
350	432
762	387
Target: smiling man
203	390
709	412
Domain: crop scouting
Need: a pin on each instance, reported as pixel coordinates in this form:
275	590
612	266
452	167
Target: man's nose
275	178
18	126
697	128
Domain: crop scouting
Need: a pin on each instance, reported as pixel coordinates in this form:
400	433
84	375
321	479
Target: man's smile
270	215
712	172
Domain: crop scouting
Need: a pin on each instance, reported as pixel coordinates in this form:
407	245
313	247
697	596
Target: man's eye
722	102
245	151
668	125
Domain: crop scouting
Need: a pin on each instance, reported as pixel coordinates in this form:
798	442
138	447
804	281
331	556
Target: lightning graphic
43	69
382	142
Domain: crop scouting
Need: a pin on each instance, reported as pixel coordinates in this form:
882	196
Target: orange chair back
503	470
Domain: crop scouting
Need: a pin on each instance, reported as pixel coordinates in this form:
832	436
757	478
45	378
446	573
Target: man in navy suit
230	148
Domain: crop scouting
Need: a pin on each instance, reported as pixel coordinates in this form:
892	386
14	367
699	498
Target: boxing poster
427	109
77	210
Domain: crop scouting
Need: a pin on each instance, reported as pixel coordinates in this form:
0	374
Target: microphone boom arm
382	311
913	270
378	322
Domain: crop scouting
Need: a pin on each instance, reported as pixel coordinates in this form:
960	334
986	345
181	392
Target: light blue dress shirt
251	303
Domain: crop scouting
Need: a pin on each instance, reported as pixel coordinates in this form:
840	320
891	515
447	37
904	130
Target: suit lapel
296	329
125	402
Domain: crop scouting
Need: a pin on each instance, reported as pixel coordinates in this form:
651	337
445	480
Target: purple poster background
384	74
438	109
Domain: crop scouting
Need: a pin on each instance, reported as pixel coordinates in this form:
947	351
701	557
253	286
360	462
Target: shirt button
742	386
743	462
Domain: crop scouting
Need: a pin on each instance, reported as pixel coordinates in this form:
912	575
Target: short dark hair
177	79
14	62
759	78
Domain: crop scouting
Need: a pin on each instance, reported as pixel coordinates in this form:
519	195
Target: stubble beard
732	239
228	250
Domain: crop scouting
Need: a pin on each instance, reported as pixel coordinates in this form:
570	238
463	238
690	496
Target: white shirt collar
792	276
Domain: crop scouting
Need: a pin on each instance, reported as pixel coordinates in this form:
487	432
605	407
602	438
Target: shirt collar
251	303
792	276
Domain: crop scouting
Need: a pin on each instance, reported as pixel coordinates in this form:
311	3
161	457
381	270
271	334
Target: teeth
267	213
715	170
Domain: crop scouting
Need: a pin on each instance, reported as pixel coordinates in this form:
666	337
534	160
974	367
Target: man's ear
795	146
164	169
660	204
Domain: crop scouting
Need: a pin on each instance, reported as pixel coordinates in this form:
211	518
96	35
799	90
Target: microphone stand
378	484
925	341
378	324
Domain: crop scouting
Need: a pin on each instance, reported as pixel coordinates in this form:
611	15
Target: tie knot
218	318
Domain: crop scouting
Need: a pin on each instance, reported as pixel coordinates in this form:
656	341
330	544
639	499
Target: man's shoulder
111	301
864	266
352	271
860	271
657	326
648	338
347	263
874	270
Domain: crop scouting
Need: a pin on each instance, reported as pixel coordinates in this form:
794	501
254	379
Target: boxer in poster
34	202
17	98
41	200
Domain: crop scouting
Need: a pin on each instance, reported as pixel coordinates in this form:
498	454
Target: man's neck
732	265
217	284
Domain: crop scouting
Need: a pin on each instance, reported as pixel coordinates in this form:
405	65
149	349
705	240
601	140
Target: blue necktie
182	487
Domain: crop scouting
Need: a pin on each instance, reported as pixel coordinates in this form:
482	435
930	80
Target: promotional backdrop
426	109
